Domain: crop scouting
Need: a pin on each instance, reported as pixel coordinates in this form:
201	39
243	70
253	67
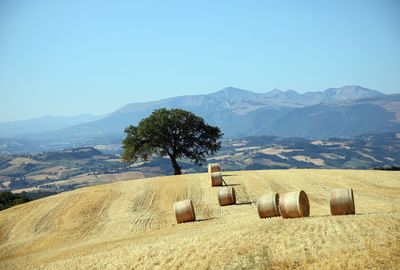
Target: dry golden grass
88	179
50	173
17	163
328	143
278	151
265	162
131	225
22	160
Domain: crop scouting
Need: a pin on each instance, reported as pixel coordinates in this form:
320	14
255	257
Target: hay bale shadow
244	203
228	185
204	219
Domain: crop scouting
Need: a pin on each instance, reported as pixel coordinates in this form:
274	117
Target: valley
69	169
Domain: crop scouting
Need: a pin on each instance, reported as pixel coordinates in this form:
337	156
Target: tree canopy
174	133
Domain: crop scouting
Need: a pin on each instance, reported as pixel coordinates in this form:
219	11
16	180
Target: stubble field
131	225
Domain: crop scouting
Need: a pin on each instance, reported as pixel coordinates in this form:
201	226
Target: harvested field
50	173
265	162
104	178
131	225
278	151
315	161
23	160
332	156
247	148
222	157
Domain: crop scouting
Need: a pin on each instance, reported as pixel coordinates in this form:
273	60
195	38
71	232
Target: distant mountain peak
351	88
275	91
291	91
348	92
232	93
231	89
275	94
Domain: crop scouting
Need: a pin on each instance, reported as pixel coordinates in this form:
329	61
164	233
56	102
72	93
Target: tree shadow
229	175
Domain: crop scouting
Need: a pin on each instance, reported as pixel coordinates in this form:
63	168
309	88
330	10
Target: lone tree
176	133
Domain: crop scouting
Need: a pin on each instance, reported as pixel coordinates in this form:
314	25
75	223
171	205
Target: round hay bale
294	204
268	205
214	167
342	202
226	196
216	179
184	211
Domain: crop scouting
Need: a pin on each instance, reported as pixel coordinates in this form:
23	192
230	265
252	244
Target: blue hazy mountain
336	112
43	124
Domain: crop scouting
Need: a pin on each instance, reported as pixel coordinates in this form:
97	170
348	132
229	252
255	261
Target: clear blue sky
72	57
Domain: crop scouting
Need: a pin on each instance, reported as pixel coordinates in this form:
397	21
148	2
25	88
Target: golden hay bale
268	205
184	211
214	167
226	196
342	202
216	179
294	204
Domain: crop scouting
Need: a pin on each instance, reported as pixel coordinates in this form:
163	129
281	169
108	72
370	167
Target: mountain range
335	112
43	124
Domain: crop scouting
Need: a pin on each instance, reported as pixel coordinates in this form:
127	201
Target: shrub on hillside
9	199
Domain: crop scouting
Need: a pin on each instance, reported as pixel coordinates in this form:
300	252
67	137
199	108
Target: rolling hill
131	225
72	168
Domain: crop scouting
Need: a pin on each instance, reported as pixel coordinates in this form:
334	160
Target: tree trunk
175	164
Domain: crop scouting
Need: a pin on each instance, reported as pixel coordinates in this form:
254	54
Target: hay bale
294	204
214	167
342	202
226	196
184	211
216	179
268	205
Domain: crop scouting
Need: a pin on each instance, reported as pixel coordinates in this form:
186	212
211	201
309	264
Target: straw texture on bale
226	196
184	211
294	204
216	179
342	202
214	167
268	205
